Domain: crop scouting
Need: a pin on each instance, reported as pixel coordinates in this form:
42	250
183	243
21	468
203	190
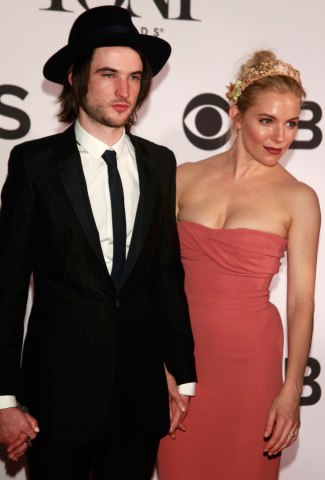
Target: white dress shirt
96	174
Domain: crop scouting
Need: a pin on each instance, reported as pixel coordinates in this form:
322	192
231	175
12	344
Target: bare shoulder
189	175
305	206
189	168
191	171
305	194
297	191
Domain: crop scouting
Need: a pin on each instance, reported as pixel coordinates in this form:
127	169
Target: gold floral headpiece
261	70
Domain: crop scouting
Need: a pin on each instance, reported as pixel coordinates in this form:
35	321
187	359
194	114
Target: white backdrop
210	39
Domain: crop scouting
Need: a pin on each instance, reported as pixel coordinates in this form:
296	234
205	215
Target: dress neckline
238	229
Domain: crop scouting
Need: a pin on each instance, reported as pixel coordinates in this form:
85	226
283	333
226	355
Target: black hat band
111	29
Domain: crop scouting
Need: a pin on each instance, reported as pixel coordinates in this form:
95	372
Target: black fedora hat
101	27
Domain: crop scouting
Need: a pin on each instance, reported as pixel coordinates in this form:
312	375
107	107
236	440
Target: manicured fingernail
36	429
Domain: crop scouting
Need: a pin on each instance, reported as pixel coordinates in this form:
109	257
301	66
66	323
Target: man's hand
178	406
17	430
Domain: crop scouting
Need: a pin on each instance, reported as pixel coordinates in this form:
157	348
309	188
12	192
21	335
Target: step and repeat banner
187	112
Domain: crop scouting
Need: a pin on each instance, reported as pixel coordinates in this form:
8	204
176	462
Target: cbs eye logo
207	125
206	122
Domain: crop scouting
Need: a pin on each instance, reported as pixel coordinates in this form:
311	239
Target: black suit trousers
121	450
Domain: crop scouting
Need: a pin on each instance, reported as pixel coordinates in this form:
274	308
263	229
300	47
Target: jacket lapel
145	210
73	180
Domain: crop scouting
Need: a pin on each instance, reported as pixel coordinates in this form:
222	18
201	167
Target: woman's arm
283	419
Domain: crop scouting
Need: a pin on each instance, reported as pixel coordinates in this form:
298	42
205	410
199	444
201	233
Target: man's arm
16	220
179	344
16	217
178	340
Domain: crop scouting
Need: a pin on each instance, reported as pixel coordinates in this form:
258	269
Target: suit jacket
84	338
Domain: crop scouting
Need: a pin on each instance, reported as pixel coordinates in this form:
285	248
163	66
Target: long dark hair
72	96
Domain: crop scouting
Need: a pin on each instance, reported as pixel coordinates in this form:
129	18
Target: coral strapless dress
238	347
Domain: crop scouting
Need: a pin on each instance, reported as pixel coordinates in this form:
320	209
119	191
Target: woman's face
269	126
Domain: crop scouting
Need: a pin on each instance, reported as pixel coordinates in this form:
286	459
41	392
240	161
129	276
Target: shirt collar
96	147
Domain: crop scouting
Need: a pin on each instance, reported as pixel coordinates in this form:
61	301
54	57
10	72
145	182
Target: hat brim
156	50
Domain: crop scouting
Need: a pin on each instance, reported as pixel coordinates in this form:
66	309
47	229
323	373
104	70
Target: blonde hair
262	72
275	81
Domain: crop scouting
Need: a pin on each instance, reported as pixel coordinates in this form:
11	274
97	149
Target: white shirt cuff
187	389
7	401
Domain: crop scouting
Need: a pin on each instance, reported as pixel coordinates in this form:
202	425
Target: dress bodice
232	264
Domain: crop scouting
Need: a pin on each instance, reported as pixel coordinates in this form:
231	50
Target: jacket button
117	303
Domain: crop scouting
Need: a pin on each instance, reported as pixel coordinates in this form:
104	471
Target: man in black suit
90	213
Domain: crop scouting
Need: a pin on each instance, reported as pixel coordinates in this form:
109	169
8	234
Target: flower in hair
234	91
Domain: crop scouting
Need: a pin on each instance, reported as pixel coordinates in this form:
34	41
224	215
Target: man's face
113	87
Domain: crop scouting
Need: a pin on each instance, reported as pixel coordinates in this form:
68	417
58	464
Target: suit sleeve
16	217
178	339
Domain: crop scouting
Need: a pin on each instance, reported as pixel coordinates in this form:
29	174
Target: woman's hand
283	421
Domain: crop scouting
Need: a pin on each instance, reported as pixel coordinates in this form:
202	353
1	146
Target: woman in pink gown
238	213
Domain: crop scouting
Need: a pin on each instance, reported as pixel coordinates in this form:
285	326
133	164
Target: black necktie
118	216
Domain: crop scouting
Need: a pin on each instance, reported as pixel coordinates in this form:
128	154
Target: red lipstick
273	151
